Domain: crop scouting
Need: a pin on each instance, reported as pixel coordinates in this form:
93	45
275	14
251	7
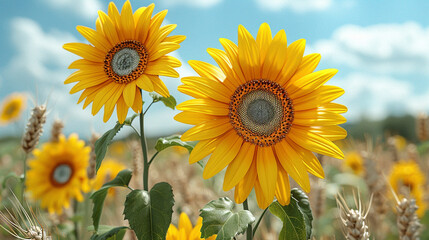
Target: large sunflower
262	114
58	173
186	231
12	108
127	53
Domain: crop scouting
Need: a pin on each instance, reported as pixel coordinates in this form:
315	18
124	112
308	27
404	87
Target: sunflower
406	178
58	173
262	114
12	108
127	53
185	231
107	172
354	162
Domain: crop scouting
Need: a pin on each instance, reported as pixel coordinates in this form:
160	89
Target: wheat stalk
407	221
57	129
34	128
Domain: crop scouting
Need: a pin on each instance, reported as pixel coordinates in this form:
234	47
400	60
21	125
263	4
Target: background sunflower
58	173
12	107
185	231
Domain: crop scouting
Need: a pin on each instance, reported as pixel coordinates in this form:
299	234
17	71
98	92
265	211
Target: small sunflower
262	114
406	178
354	162
58	173
12	108
127	53
185	230
107	172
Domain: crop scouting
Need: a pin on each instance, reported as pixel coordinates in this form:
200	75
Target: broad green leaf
170	141
121	180
304	206
114	233
218	218
129	120
102	143
149	213
168	102
292	218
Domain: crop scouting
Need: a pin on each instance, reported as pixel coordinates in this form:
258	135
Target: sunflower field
258	136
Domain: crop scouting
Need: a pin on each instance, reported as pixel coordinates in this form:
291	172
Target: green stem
144	149
76	231
259	221
153	157
249	234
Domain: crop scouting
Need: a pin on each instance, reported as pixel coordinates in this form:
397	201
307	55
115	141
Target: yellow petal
261	199
142	25
318	97
97	39
191	91
276	55
169	60
90	82
86	65
295	51
175	39
144	82
210	88
193	118
292	162
159	86
308	64
310	161
314	142
127	20
332	133
109	28
283	187
317	118
85	76
208	129
206	106
185	223
110	104
162	49
231	51
207	70
245	186
248	54
103	95
224	63
203	149
138	102
155	23
263	40
121	110
114	15
267	171
159	68
309	83
129	93
334	107
161	34
238	168
86	51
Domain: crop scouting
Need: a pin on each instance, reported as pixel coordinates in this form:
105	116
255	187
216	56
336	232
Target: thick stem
249	234
144	149
259	221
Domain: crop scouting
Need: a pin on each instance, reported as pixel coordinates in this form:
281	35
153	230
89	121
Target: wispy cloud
295	5
191	3
383	48
84	8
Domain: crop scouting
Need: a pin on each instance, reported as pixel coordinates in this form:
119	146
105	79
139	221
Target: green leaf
304	206
129	120
292	218
121	180
170	141
102	143
115	233
149	214
219	219
168	102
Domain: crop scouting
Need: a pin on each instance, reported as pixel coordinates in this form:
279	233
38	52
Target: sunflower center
11	108
62	174
126	61
261	112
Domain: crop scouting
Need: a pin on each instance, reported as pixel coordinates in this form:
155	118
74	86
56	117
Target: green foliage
121	180
294	224
168	102
110	233
304	206
149	214
170	141
102	143
219	219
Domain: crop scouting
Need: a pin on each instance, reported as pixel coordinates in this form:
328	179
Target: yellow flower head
127	53
12	108
406	177
185	230
399	142
107	172
58	173
354	162
262	113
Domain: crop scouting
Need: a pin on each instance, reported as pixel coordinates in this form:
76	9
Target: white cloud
295	5
396	48
84	8
192	3
375	97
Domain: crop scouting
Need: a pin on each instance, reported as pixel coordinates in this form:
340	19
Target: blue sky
381	49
